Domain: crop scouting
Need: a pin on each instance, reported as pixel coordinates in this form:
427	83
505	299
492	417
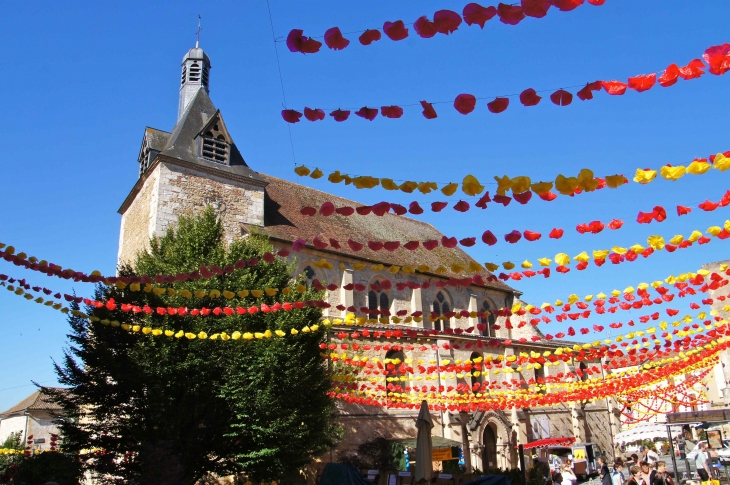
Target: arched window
441	306
309	274
487	320
378	299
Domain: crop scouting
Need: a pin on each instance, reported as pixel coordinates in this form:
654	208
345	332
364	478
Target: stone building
198	164
33	419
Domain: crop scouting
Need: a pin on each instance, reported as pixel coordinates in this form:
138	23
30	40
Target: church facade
197	165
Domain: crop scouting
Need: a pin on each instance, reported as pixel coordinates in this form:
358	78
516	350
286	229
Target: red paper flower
318	243
438	206
709	206
523	198
556	233
582	228
718	58
488	238
411	245
313	114
562	269
510	14
367	113
335	243
290	115
345	211
340	115
308	211
548	196
425	28
670	76
693	70
561	97
461	206
468	241
398	209
391	245
536	8
391	111
615	224
513	237
659	214
567	5
354	245
643	82
703	240
597	3
502	199
327	209
465	103
681	210
532	236
447	21
430	245
296	42
395	30
334	40
381	208
586	92
596	227
498	105
614	88
529	96
448	242
369	36
482	203
414	208
476	14
428	112
364	210
375	245
644	217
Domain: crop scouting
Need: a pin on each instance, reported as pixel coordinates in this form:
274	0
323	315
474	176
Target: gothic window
378	298
487	320
441	306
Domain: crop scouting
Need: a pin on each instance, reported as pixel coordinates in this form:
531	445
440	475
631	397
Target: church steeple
195	75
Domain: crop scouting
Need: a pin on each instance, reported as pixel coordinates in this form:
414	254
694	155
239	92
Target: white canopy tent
647	431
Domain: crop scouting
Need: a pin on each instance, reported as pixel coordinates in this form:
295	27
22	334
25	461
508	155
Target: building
198	164
33	417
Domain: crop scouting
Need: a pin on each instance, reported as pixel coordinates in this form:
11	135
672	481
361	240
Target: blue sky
84	79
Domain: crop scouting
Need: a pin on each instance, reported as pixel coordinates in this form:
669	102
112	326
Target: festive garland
444	22
521	185
716	58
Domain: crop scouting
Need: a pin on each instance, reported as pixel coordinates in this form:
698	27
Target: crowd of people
650	470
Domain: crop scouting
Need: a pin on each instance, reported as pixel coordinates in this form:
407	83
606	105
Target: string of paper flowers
444	22
717	58
522	185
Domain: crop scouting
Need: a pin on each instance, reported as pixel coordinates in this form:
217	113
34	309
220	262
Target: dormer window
215	143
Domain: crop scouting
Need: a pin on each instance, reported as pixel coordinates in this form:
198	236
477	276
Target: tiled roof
35	402
283	220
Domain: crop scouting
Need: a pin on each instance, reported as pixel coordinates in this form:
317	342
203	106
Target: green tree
163	410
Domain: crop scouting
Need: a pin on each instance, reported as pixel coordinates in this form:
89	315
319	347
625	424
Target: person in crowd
617	475
647	473
604	471
662	475
650	456
635	476
569	477
701	462
633	460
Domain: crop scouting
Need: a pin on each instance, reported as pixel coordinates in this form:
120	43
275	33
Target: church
197	164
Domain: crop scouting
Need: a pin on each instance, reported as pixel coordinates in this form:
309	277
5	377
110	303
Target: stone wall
138	221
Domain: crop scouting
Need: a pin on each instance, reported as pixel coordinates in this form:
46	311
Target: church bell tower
195	76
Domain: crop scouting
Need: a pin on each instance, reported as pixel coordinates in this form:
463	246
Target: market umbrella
424	447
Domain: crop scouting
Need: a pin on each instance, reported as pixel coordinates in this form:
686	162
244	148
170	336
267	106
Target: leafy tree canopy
165	410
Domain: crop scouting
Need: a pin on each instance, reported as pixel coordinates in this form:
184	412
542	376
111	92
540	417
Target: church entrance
489	457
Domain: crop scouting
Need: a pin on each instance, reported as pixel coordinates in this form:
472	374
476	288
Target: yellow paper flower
503	184
615	181
542	187
427	187
365	182
508	265
677	239
302	171
566	185
636	248
694	236
698	168
449	189
257	293
471	186
474	267
644	176
582	257
317	174
714	230
721	162
562	259
657	242
457	268
521	184
335	177
388	184
600	253
526	264
672	173
544	261
587	181
271	291
408	187
619	250
491	267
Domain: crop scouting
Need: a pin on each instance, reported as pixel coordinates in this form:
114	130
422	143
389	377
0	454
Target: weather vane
197	33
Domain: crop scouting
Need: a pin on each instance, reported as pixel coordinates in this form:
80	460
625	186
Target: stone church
198	164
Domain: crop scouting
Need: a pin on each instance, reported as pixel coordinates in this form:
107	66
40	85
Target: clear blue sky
82	81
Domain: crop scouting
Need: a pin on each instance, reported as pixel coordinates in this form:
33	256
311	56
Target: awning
646	431
550	442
